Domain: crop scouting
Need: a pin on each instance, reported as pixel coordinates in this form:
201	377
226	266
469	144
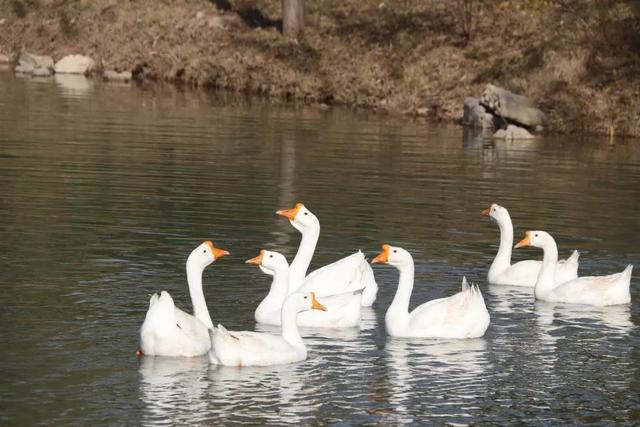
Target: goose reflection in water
509	299
616	318
579	330
456	368
278	394
173	389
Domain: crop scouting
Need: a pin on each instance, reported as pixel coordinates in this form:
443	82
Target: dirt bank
580	60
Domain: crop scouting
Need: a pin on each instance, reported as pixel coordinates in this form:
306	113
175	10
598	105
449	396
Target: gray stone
75	64
4	59
116	76
513	132
475	115
511	106
41	72
29	61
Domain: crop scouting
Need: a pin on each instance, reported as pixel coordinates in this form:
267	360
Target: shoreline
412	61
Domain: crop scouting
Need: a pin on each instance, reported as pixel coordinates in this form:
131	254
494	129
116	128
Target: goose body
246	348
342	310
463	315
347	274
522	273
592	290
169	331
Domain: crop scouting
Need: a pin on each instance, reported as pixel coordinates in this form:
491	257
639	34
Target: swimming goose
245	348
592	290
343	310
169	331
463	315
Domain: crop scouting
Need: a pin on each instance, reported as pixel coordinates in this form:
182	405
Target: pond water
106	189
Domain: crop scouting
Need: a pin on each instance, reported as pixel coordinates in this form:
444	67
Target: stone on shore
28	63
511	106
75	64
476	115
513	132
124	76
4	59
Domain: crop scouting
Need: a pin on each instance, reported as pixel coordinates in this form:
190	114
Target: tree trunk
292	17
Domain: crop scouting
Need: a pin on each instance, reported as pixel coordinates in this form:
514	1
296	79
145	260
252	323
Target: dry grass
579	61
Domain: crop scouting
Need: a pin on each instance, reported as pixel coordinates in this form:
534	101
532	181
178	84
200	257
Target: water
106	189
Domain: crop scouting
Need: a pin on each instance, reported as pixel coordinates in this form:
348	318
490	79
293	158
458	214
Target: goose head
538	239
496	213
300	217
205	254
269	262
304	301
393	255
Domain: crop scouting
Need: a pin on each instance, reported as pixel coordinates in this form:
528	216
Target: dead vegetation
579	59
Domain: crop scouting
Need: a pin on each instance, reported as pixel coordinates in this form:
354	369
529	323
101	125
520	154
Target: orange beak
217	252
486	212
383	257
315	304
526	241
290	213
256	260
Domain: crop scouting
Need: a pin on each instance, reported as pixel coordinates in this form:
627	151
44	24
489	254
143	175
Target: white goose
169	331
347	274
523	273
592	290
463	315
343	310
245	348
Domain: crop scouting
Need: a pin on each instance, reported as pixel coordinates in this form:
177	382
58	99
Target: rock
75	64
29	62
513	132
4	59
511	106
124	76
41	72
475	115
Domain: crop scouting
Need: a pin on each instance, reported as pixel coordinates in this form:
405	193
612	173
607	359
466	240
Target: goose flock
332	297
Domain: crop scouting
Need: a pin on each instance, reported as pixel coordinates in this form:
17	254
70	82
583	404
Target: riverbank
579	62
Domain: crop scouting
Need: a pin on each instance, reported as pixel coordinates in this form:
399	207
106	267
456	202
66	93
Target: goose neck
302	260
289	320
277	293
194	280
546	276
503	258
405	287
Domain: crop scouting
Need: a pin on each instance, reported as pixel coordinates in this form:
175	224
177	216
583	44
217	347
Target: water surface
106	189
